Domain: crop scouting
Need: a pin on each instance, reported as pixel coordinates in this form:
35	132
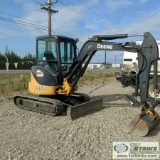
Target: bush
27	65
2	66
12	66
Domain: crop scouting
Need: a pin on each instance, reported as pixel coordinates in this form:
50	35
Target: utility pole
115	62
105	58
7	69
50	11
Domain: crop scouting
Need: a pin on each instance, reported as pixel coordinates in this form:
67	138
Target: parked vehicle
130	67
118	75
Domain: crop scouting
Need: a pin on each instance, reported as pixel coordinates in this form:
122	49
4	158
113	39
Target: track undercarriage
53	105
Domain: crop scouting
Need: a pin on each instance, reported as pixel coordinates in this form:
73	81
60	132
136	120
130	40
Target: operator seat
51	60
49	55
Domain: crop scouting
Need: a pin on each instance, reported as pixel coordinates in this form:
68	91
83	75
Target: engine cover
44	76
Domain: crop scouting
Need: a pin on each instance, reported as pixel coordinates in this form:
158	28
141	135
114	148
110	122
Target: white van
130	61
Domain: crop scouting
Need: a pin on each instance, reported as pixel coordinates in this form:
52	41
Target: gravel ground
26	135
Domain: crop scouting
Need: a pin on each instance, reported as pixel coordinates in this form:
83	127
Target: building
99	66
95	66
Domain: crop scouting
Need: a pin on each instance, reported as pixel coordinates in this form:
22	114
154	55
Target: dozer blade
74	112
142	124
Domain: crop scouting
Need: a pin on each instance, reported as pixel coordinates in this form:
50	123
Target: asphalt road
14	71
91	70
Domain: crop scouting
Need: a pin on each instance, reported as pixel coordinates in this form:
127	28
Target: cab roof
57	37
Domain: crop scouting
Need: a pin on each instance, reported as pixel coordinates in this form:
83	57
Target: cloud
37	18
138	27
8	33
71	20
65	22
67	18
144	1
149	24
76	20
113	5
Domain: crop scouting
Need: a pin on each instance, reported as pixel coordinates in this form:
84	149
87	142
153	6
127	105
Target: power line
21	22
71	10
103	17
37	1
99	15
111	19
23	19
25	24
42	26
49	10
33	23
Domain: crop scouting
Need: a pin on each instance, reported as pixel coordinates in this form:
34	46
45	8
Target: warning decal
39	73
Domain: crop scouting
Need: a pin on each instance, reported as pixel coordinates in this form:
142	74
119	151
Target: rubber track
55	104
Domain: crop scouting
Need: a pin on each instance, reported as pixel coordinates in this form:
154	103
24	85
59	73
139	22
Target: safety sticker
39	73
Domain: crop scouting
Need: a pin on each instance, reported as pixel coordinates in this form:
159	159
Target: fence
16	65
14	76
13	81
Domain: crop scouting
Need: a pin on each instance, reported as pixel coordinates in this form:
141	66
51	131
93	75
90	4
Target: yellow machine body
38	89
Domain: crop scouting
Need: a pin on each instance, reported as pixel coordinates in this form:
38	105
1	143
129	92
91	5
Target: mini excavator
54	78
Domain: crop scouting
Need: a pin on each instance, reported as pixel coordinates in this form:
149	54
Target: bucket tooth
142	124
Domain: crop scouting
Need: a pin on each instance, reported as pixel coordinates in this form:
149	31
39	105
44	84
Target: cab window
47	49
67	53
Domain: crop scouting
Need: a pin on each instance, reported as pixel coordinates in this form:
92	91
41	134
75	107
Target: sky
76	19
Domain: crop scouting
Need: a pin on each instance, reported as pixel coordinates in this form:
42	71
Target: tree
2	58
15	57
29	57
7	50
12	56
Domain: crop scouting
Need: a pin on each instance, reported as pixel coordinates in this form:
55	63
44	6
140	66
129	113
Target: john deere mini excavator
53	82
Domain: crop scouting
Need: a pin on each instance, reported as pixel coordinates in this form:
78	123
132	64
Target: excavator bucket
74	112
142	124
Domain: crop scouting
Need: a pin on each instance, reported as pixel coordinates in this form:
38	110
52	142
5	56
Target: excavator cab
55	55
58	52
